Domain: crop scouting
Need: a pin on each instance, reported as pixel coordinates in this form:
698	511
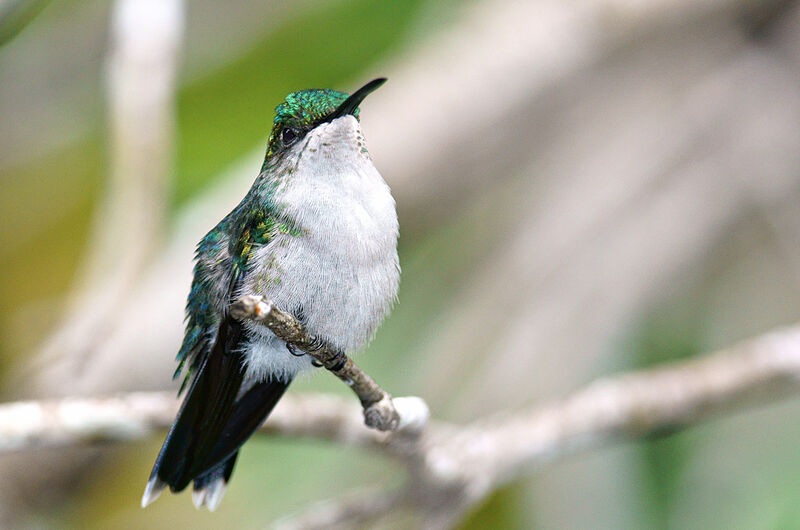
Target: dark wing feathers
250	412
205	411
212	424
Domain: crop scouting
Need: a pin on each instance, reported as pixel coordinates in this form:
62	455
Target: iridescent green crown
303	110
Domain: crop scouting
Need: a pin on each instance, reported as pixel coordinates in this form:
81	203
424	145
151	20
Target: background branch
129	224
453	467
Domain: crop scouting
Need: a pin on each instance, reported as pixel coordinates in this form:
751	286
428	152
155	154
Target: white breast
342	273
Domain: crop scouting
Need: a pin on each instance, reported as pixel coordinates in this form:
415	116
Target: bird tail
179	462
210	486
213	423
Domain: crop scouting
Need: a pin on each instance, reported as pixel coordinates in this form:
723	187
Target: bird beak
350	105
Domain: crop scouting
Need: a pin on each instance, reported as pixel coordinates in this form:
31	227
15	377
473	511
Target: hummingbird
316	234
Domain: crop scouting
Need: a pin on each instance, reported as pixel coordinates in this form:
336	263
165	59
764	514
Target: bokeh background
584	188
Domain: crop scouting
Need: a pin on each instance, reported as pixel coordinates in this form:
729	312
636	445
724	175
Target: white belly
341	275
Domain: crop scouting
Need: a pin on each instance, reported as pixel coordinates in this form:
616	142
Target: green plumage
302	110
236	372
222	256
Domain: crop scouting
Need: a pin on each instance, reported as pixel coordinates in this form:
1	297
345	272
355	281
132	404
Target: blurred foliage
16	14
67	182
504	508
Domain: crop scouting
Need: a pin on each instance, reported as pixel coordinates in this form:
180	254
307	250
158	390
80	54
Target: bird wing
221	261
207	294
212	422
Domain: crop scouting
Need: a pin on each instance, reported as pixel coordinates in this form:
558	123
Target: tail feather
250	412
212	425
210	486
153	489
223	470
210	496
205	411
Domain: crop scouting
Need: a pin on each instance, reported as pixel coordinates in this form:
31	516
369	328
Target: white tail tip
153	489
210	496
216	490
199	498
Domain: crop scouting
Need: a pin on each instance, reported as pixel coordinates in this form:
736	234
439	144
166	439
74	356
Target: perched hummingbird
316	234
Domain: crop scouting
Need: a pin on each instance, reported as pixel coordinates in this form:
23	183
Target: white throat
343	271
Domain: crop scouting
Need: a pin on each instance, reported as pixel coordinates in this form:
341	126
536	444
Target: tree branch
380	412
142	65
453	467
76	421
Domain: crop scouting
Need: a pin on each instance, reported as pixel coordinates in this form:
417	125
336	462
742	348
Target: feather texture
317	234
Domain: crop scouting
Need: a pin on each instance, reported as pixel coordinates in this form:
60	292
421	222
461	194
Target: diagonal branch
380	412
455	467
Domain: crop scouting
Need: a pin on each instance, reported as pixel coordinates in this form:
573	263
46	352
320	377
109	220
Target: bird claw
338	361
316	344
293	350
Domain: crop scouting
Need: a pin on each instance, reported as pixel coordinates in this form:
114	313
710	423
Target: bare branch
453	467
75	421
477	458
142	69
379	410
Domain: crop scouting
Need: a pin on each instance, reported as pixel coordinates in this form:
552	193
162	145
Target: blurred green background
604	186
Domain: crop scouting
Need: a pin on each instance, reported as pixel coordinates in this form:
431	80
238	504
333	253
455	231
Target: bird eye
288	136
